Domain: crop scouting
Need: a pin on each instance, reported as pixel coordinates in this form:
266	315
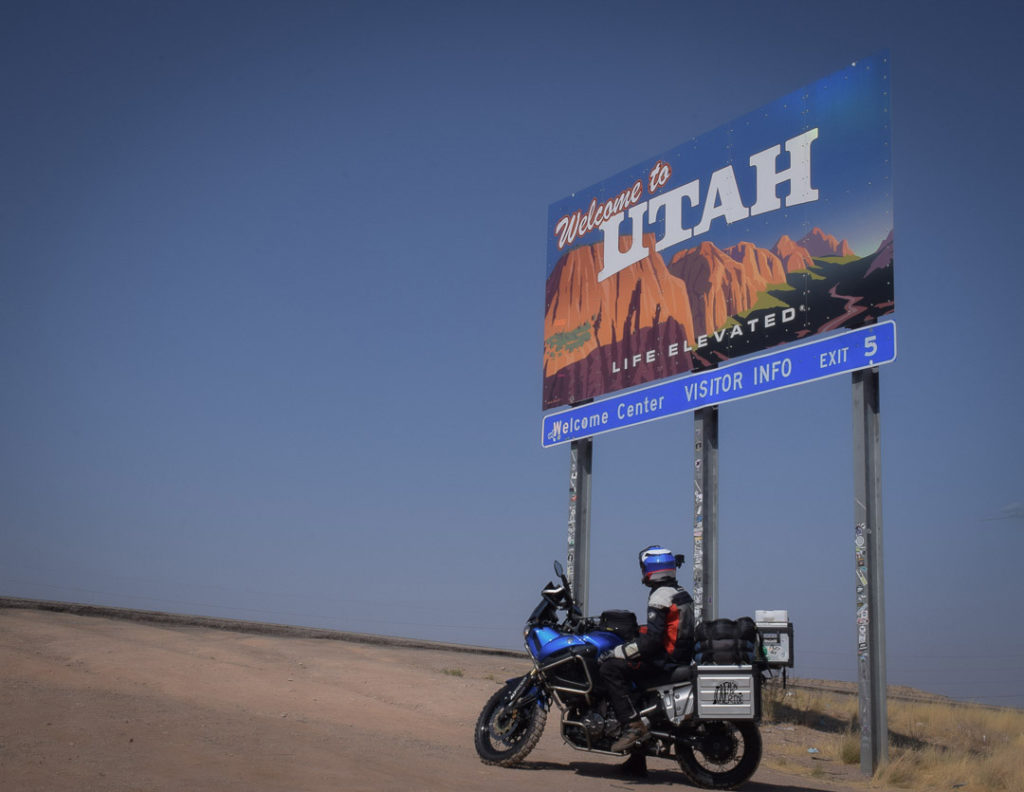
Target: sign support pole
581	462
705	514
871	669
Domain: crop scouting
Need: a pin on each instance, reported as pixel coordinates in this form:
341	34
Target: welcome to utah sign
767	230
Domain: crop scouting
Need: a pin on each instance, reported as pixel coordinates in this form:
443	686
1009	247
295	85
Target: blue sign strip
853	350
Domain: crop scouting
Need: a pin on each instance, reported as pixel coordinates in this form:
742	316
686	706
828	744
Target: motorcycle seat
671	675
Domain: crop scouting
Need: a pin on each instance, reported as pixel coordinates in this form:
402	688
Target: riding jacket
668	637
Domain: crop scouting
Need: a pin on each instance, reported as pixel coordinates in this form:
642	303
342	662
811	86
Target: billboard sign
793	364
767	230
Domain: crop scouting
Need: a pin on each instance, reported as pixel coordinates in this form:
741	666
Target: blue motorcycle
703	716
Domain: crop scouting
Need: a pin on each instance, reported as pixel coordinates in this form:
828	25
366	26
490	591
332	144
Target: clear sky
271	318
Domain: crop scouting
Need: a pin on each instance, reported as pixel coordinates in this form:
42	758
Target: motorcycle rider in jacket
667	640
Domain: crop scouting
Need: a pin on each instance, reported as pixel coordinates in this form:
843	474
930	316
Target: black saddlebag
726	642
621	622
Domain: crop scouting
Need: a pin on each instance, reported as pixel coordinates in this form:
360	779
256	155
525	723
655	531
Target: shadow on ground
655	777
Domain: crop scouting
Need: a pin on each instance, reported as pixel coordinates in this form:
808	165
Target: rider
666	640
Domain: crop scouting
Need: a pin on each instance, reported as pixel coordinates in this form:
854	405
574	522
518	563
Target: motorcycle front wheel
720	754
507	730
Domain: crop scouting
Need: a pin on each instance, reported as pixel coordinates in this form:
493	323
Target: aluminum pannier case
728	692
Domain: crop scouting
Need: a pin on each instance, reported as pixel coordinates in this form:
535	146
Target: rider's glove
629	651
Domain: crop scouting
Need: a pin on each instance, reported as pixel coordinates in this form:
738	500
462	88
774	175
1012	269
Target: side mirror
680	558
559	571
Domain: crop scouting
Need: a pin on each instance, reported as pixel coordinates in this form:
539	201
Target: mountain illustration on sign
704	306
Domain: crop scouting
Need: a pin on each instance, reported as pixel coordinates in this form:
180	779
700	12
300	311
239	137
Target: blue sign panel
794	365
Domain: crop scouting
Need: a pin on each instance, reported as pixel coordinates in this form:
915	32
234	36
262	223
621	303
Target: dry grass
932	744
946	744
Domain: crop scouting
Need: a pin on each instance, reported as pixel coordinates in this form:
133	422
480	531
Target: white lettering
638	408
833	357
585	423
712	387
672	203
798	174
723	200
769	372
614	259
658	177
578	224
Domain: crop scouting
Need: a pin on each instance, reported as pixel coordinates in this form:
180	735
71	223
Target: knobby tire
505	738
706	771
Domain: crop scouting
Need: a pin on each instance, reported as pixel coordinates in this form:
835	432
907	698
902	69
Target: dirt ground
93	703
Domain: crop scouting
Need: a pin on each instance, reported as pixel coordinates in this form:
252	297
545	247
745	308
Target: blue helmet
657	564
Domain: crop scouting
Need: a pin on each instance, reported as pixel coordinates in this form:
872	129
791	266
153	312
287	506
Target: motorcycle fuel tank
603	640
543	642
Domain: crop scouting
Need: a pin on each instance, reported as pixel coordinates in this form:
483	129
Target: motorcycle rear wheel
506	733
723	756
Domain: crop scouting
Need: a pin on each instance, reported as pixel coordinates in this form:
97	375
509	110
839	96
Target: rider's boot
631	735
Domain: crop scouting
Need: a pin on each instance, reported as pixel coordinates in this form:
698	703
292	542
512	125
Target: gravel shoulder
90	702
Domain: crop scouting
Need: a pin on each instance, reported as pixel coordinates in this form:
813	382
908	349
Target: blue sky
271	307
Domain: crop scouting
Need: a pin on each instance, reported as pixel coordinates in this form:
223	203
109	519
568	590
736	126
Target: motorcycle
704	716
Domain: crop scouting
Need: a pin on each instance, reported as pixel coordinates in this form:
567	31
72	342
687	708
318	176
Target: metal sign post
871	677
581	461
705	514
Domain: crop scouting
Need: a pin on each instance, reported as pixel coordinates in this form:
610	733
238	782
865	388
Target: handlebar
583	624
558	597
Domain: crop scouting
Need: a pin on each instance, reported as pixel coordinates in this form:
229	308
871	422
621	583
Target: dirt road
91	703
